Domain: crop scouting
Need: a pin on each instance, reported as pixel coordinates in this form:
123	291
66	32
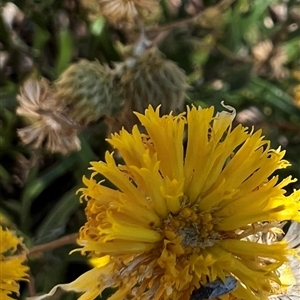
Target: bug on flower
215	289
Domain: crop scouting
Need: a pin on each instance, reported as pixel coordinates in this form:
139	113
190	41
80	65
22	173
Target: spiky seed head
152	79
88	91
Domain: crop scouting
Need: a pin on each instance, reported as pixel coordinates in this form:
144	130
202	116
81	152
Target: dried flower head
150	79
123	12
270	59
182	218
49	126
12	267
88	91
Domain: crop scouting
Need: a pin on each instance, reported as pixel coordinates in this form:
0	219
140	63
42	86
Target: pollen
195	229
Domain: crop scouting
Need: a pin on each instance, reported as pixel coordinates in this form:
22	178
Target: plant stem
31	285
65	240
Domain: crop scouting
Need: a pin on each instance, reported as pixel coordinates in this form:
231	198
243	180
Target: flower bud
150	79
88	91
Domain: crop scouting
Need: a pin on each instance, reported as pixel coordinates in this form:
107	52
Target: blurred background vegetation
243	52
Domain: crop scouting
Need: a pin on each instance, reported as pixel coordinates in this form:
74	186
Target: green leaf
4	36
44	3
59	215
100	42
257	9
12	205
5	176
292	49
5	219
65	43
34	188
97	26
241	23
273	95
41	36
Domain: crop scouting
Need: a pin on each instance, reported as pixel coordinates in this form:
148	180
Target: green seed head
88	91
149	79
154	80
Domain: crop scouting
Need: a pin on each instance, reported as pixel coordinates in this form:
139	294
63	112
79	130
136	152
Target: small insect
215	289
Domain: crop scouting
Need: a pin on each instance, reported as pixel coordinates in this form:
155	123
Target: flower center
195	229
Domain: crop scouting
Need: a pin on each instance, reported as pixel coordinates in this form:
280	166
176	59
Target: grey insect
215	289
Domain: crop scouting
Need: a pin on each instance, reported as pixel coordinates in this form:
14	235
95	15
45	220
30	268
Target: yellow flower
182	217
11	264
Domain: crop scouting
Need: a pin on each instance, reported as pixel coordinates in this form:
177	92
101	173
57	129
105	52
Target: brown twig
65	240
281	125
160	37
161	32
157	29
231	55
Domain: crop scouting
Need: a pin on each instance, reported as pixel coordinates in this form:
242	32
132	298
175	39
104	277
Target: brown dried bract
49	126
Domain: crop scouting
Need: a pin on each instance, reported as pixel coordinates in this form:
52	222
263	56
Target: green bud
150	79
88	91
